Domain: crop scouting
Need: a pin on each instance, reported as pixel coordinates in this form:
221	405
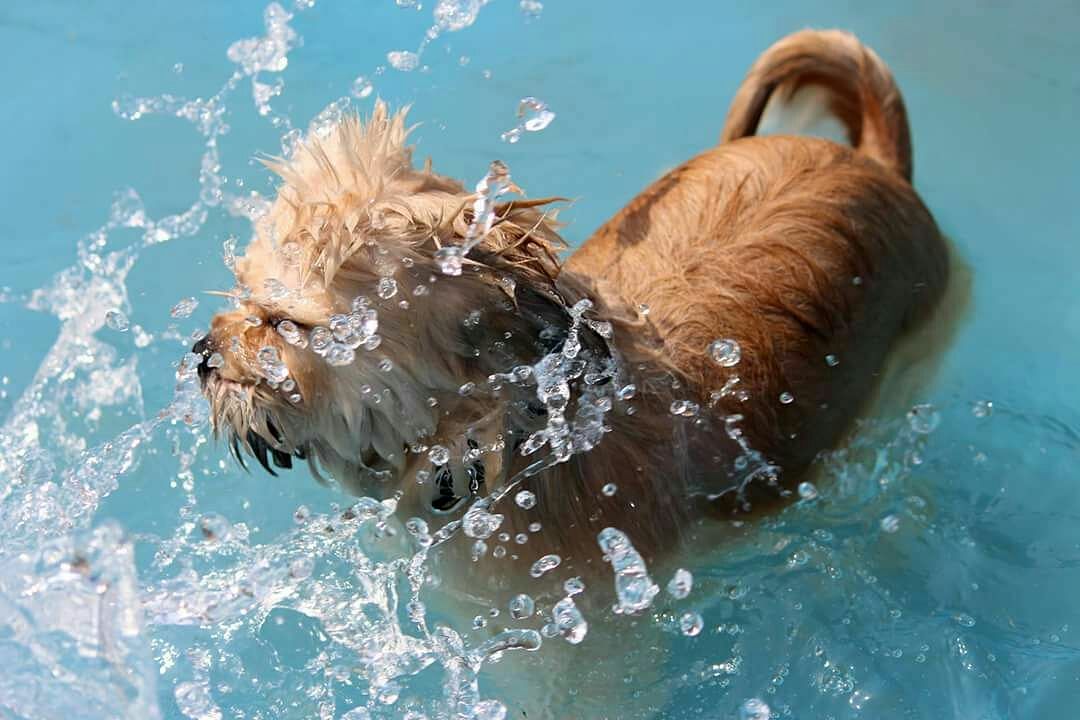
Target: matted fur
796	248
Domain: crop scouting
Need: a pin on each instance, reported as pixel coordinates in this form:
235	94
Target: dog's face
349	348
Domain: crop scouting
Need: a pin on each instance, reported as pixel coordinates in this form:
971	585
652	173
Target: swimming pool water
934	575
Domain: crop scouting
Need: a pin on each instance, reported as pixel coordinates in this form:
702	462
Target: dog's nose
205	348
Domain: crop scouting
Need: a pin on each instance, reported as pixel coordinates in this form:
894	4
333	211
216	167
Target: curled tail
858	90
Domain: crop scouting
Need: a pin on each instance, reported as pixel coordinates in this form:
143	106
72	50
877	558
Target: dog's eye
445	500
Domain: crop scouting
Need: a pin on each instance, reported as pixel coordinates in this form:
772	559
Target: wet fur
796	247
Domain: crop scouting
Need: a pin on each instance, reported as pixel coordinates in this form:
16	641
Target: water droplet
525	500
568	621
634	588
387	288
545	564
531	8
454	15
681	583
754	709
691	624
726	352
609	489
117	320
449	258
807	490
184	308
361	87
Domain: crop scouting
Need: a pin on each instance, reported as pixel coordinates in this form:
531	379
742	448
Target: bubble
890	523
858	699
964	620
387	288
302	514
215	361
320	339
291	333
682	582
923	419
117	320
403	60
522	607
691	624
609	489
479	523
357	713
786	398
626	392
807	490
270	363
684	408
544	565
361	87
982	408
339	354
568	621
831	360
726	352
525	500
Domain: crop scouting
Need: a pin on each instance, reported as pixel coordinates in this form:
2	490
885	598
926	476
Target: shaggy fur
797	248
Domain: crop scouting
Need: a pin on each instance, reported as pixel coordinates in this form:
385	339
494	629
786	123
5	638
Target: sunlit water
931	571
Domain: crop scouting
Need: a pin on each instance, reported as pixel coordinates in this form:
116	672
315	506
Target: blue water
966	610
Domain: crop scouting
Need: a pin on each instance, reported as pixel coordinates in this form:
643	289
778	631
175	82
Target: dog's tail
813	72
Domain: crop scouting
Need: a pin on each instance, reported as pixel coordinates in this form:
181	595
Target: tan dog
811	256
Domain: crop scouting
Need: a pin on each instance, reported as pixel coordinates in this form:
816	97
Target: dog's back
813	256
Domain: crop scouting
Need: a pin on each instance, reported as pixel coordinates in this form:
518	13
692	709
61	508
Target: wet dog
417	341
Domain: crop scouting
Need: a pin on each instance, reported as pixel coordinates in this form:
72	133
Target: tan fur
795	247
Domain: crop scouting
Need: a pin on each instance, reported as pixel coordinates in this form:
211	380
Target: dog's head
347	344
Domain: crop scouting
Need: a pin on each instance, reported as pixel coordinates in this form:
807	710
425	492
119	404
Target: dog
425	344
